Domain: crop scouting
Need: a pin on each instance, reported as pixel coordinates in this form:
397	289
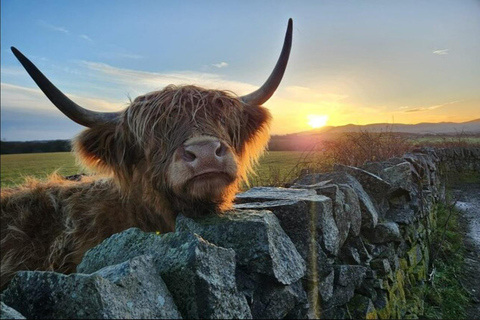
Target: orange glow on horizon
317	121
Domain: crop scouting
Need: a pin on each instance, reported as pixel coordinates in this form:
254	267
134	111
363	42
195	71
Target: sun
317	121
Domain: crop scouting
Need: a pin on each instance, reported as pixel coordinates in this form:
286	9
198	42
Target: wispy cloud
121	55
143	81
301	93
62	30
84	36
12	71
427	108
53	27
441	52
222	64
33	100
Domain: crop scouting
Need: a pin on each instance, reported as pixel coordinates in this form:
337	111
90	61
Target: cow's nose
204	154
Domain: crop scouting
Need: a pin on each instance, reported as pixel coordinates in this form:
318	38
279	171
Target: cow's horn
72	110
261	95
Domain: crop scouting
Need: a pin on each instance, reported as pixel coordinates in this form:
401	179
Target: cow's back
50	225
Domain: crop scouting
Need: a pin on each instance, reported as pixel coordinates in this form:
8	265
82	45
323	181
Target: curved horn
72	110
261	95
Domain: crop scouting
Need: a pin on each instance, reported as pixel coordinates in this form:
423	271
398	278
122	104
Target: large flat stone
368	210
306	217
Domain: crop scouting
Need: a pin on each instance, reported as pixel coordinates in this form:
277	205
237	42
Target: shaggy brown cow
179	150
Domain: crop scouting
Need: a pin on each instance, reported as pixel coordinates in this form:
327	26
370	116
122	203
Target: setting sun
317	121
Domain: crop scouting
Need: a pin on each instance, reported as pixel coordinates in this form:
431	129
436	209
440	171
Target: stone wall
353	243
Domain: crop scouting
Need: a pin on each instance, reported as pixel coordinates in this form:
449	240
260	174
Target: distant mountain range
469	127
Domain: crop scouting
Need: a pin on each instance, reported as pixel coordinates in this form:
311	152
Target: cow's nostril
188	156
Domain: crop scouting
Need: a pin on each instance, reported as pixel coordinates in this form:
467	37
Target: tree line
10	147
277	143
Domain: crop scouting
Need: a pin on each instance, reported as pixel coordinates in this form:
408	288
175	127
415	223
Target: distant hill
423	128
302	141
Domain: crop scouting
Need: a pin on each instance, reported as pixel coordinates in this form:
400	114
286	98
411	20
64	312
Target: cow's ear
101	148
257	121
255	132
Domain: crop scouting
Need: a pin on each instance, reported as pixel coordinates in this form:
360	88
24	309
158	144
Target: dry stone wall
348	244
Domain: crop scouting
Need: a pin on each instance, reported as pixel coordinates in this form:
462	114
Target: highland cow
182	149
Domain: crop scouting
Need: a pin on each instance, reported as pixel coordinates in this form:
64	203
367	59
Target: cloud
12	71
62	29
84	36
34	101
53	27
301	93
121	55
428	108
415	110
441	52
299	90
222	64
144	81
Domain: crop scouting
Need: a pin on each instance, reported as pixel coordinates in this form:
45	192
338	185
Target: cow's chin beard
205	194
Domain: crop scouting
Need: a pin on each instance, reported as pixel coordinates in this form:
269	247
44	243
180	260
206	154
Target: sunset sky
356	62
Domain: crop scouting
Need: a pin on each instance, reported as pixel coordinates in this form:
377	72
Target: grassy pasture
15	167
273	168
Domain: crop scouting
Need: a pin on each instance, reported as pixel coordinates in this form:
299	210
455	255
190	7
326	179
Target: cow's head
186	144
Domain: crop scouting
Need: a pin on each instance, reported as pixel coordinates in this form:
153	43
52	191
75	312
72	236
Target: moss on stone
361	307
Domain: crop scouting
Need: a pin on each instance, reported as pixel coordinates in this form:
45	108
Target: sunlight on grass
15	167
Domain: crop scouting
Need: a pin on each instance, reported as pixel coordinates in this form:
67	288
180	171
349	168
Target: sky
352	62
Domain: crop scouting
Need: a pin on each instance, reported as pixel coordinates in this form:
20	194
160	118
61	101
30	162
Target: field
15	167
274	167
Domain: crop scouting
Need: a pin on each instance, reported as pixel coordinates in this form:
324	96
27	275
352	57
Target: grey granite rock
260	243
383	232
352	208
306	217
368	210
361	307
7	312
347	279
132	289
341	216
276	301
120	247
375	186
199	275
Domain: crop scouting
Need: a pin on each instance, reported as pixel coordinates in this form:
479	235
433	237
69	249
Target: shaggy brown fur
144	183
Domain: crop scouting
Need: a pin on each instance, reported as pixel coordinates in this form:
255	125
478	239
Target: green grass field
15	167
274	167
